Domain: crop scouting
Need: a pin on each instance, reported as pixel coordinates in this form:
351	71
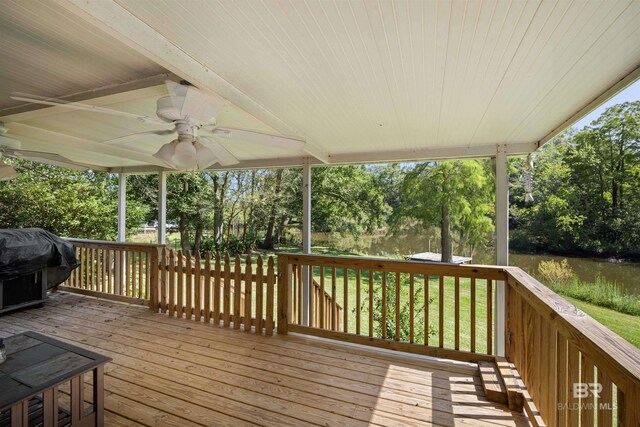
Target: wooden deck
173	372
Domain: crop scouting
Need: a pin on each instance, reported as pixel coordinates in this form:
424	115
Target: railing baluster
586	403
441	312
259	297
411	309
384	304
163	280
188	286
563	387
217	276
334	311
270	296
207	287
489	317
322	299
573	355
237	292
248	285
345	305
456	302
180	308
397	337
172	283
312	297
298	273
132	272
371	303
142	292
472	333
122	273
110	281
358	307
426	308
605	400
197	282
226	309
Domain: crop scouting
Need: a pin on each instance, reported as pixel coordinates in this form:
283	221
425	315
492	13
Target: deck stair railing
563	366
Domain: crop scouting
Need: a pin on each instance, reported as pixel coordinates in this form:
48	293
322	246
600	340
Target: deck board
167	371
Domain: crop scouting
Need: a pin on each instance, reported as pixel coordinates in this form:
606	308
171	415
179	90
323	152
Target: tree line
585	190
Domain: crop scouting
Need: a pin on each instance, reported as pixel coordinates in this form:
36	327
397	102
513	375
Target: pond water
626	274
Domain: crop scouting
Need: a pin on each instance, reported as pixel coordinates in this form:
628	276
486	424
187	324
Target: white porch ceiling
358	80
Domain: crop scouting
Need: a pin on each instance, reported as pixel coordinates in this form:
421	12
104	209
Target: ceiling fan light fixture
7	172
165	153
185	155
206	157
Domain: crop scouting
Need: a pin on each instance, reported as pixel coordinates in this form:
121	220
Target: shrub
554	272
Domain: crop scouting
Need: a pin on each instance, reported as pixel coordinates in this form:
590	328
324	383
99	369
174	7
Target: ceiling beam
124	90
445	153
440	153
612	91
58	140
119	23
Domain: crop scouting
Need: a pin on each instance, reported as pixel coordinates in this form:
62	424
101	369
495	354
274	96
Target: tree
347	198
66	202
456	196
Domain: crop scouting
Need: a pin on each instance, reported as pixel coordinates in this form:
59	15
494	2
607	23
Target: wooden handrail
386	285
568	337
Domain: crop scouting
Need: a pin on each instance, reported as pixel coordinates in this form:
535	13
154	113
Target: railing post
154	278
284	290
502	244
306	238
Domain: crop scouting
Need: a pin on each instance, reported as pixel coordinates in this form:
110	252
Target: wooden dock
435	257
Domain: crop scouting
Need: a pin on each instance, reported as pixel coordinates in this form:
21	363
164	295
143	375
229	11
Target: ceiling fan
188	112
10	147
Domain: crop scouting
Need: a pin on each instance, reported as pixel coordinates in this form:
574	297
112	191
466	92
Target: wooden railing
322	302
576	371
227	291
570	369
384	304
120	271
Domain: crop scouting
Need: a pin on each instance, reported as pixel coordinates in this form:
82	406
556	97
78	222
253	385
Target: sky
631	93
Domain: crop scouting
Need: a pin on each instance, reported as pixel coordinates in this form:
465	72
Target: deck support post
122	206
502	244
306	237
162	208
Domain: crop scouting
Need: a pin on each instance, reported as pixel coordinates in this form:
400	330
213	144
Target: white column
162	208
122	206
502	243
306	237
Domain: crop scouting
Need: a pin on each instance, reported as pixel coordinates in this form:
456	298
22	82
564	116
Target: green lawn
625	325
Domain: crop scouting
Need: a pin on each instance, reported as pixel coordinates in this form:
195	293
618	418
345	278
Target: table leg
20	414
50	410
98	395
77	399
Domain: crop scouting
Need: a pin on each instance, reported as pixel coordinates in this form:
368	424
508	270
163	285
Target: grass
601	293
625	325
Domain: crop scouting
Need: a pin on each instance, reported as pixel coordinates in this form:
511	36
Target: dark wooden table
36	366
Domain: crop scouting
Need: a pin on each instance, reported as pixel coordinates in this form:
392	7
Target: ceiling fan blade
223	156
43	157
260	138
9	142
135	136
18	96
28	154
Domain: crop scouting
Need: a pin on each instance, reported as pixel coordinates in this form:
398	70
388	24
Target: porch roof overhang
360	82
